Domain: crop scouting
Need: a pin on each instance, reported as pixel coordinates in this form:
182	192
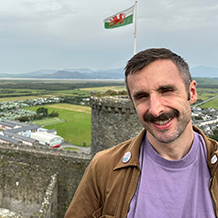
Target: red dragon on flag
121	18
117	19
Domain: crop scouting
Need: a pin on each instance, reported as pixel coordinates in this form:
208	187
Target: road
210	99
86	150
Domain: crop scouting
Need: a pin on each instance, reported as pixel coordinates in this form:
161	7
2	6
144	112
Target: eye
166	90
141	96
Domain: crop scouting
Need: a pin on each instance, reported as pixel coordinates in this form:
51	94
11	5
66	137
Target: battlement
45	150
114	120
112	104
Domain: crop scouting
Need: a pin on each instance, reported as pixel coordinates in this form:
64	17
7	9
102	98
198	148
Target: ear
193	91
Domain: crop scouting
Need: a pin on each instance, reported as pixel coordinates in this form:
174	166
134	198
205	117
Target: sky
60	34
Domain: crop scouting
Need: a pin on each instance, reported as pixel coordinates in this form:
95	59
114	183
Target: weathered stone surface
26	178
114	120
5	213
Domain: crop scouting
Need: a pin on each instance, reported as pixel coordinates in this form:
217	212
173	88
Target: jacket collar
212	151
135	144
133	148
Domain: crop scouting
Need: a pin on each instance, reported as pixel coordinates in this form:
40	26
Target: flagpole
135	27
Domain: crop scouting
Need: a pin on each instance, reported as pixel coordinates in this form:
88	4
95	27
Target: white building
47	138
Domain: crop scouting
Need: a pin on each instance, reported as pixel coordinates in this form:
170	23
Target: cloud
70	33
180	14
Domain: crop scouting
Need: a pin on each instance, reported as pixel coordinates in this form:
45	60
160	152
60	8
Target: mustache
164	116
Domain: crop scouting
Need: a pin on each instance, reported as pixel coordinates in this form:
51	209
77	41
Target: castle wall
114	120
26	174
22	190
8	214
49	205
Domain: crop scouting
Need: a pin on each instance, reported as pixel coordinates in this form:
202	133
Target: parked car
55	146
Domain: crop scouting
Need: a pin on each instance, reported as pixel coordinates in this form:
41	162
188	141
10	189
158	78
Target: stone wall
50	202
5	213
114	120
26	178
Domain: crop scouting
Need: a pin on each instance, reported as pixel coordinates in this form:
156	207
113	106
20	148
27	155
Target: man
170	170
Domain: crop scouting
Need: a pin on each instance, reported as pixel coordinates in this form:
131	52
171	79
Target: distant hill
79	74
84	73
81	70
62	74
34	74
40	72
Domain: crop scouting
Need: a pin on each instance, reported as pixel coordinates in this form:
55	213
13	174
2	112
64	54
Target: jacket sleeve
87	198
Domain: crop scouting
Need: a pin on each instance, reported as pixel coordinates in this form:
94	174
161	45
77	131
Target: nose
156	105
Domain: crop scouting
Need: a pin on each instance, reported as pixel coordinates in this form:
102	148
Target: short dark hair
146	57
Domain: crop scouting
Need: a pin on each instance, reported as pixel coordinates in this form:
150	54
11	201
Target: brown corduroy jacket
108	184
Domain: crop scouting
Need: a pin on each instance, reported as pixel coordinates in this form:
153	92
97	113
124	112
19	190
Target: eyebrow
163	87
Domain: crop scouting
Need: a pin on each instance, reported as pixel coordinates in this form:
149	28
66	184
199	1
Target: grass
103	89
37	93
71	107
213	103
204	95
18	98
74	92
69	148
73	123
48	121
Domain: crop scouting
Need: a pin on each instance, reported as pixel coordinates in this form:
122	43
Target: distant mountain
81	70
34	74
202	71
112	73
62	74
84	73
40	72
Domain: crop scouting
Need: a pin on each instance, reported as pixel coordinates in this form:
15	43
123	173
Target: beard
167	136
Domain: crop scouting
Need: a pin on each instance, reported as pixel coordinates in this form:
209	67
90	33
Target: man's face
161	100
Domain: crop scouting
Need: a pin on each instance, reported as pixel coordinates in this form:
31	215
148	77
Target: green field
103	89
213	103
204	94
73	123
18	98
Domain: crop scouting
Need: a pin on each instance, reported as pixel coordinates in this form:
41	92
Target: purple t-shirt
173	189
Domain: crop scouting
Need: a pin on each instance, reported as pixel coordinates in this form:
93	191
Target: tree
42	111
53	114
23	118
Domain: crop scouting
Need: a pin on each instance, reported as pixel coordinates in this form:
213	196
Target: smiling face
161	100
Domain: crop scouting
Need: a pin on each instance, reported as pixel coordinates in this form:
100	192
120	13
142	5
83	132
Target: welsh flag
120	19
